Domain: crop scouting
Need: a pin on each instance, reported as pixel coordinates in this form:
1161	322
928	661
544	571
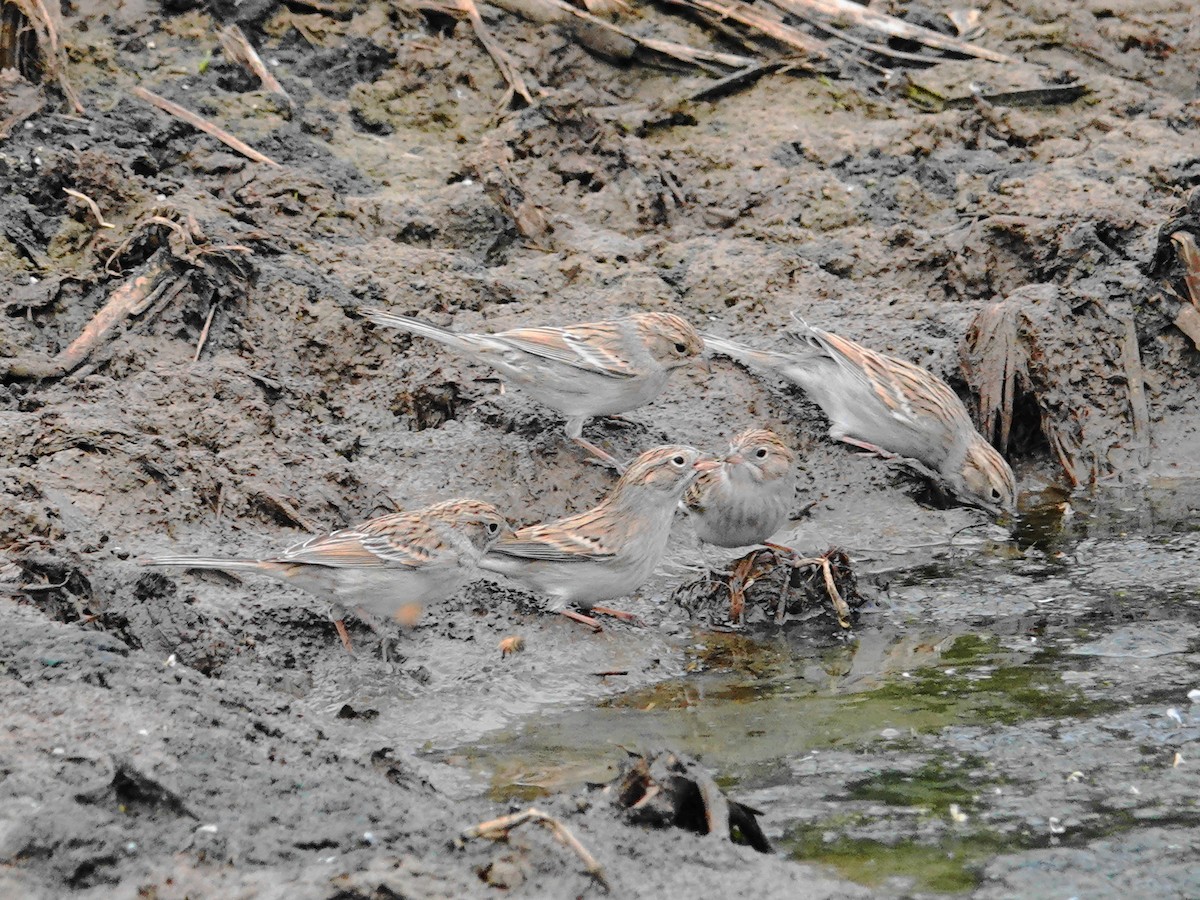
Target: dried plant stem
92	205
45	25
692	56
202	124
130	299
497	829
212	311
1135	382
849	11
238	48
504	62
839	605
753	17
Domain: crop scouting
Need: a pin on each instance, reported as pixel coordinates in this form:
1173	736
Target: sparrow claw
582	619
631	618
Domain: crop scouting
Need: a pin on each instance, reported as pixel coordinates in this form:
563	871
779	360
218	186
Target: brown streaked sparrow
582	371
608	551
385	569
744	501
888	406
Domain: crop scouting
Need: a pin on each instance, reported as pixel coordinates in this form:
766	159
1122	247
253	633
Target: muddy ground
180	734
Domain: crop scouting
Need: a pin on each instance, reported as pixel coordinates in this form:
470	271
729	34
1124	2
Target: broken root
498	829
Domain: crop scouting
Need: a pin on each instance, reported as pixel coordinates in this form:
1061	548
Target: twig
212	311
497	829
504	62
691	56
753	17
202	124
238	48
130	299
841	35
34	588
136	230
611	672
44	24
738	80
839	605
284	506
1058	441
92	205
849	11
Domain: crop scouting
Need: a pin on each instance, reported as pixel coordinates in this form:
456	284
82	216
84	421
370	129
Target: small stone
504	873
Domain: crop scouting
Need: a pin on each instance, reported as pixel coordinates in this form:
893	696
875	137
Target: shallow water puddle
845	745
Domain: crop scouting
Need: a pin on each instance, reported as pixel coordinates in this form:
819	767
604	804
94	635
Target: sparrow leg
871	449
582	619
618	614
385	634
792	558
575	433
601	455
344	635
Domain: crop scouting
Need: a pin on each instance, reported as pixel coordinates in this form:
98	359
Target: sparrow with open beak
608	551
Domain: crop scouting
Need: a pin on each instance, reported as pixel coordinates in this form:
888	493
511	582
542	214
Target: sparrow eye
678	462
761	452
493	527
681	348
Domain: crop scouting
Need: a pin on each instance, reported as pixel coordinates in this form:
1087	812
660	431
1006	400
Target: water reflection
1044	627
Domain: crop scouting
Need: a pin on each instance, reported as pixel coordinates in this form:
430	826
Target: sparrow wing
909	392
598	348
398	540
557	542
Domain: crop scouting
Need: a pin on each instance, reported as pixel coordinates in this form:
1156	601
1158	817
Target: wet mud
998	720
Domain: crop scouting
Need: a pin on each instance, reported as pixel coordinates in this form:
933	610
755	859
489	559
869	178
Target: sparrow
747	497
582	371
385	569
744	501
608	551
891	407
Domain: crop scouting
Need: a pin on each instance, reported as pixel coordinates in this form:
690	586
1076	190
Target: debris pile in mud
781	581
663	788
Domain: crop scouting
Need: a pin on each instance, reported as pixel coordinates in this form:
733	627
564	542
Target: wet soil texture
182	369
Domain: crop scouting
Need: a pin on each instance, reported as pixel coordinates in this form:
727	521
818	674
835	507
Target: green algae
936	787
953	866
743	721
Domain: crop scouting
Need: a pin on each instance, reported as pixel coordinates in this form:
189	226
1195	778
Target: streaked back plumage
888	403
